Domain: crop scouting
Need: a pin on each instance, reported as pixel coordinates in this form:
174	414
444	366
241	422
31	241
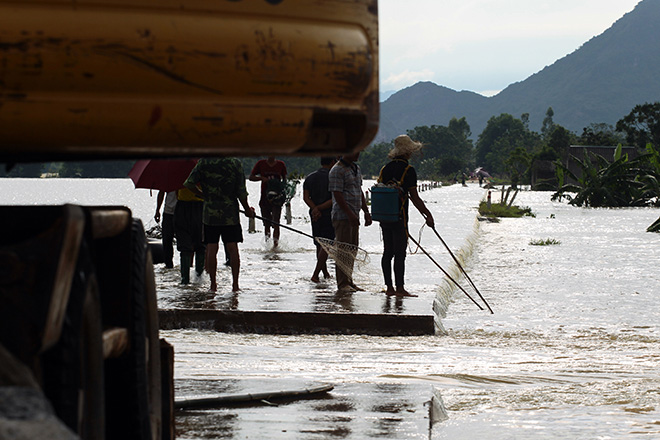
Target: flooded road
572	350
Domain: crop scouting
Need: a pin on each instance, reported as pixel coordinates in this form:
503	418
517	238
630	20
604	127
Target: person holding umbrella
220	182
168	224
167	175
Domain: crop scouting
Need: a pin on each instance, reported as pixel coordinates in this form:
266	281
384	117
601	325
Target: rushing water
572	350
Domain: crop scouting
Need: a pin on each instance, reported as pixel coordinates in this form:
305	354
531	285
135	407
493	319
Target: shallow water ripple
572	350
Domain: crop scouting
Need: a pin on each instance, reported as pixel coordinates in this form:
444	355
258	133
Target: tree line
506	148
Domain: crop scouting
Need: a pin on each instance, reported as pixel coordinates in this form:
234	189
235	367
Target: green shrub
500	210
546	242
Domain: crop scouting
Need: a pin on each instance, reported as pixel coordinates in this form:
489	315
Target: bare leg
235	263
212	264
321	259
277	214
276	235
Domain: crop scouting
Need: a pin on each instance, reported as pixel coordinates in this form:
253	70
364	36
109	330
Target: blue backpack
387	200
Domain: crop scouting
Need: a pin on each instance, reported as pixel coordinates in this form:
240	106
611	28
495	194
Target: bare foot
400	291
390	291
344	290
356	288
315	279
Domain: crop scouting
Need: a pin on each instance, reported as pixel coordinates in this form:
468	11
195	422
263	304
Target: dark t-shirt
317	185
392	172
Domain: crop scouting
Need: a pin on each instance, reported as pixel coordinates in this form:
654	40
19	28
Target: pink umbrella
161	174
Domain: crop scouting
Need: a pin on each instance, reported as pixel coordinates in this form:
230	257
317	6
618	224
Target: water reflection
345	301
393	304
571	351
194	299
227	301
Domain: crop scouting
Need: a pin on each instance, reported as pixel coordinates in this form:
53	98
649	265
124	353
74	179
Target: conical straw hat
404	146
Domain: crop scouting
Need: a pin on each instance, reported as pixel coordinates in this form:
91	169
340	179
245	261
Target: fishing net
155	231
346	256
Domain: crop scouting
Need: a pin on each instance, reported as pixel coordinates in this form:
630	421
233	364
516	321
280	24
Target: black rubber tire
92	423
154	369
133	379
72	370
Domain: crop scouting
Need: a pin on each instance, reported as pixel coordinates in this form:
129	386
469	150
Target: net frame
345	255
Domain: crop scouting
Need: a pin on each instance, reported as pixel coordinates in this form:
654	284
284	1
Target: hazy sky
484	45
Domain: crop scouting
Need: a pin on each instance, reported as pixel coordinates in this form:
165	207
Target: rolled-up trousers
345	233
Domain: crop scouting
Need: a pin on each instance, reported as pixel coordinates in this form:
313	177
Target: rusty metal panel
139	78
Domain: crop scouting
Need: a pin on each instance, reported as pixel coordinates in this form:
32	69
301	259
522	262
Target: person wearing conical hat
395	234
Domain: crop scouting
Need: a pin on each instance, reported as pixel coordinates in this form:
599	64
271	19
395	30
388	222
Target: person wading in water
395	234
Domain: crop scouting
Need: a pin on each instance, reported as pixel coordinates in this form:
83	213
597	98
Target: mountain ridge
601	81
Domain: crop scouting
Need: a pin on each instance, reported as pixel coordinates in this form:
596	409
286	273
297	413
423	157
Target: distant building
607	152
543	174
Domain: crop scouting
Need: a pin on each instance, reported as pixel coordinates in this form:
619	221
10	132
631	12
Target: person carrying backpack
401	174
272	175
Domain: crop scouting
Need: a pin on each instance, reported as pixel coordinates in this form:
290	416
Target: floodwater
572	350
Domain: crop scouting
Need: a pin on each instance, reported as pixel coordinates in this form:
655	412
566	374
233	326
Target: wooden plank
167	389
233	399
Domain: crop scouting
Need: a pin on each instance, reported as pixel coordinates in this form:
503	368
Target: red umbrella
481	171
162	174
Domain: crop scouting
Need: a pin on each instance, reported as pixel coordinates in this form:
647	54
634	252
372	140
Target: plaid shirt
347	179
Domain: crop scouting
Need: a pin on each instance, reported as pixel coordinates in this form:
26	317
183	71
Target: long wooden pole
444	271
462	270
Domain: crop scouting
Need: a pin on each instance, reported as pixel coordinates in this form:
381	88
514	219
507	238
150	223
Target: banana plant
622	182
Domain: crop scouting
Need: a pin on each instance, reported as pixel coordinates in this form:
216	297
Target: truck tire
133	380
73	368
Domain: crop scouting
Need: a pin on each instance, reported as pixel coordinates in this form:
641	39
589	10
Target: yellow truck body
113	79
145	78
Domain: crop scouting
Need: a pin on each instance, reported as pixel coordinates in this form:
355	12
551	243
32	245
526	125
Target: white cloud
484	44
488	93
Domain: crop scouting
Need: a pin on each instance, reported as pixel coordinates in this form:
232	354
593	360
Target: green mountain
600	82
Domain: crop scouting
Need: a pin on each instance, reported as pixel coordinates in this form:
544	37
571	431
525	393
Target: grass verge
501	210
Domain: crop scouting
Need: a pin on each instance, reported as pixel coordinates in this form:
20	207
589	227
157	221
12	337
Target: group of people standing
334	196
207	209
